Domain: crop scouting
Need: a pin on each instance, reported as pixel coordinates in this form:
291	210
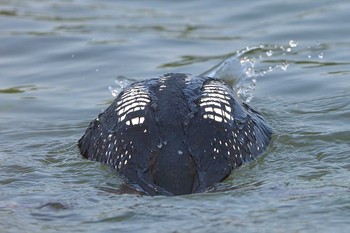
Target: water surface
58	58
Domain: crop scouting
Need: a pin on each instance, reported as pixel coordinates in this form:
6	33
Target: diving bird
176	134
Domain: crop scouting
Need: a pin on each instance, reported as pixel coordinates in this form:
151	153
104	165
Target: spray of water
120	83
243	68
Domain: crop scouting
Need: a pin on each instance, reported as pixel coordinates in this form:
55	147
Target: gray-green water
58	58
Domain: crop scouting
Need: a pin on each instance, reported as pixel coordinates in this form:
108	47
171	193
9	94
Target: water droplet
284	66
269	53
180	152
113	91
154	105
320	56
121	83
293	43
160	145
250	66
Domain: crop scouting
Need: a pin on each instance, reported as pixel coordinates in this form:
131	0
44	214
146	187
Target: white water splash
121	83
243	69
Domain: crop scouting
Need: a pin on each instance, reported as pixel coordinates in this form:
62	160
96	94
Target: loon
177	134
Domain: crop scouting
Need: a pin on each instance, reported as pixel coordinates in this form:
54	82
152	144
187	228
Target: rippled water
58	58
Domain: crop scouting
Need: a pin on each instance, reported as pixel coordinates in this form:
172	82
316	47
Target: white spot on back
135	121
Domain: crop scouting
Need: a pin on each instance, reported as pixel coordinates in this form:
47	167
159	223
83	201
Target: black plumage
177	134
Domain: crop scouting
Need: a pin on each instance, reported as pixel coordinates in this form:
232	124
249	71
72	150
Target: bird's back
177	134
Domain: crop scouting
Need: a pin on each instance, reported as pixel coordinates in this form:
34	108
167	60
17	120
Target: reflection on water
19	89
